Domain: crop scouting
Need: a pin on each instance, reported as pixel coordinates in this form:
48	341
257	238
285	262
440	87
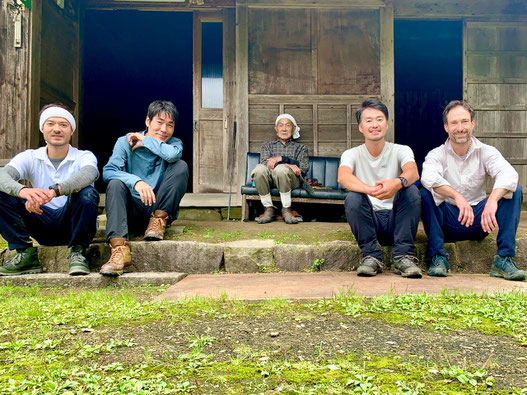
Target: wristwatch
404	181
55	187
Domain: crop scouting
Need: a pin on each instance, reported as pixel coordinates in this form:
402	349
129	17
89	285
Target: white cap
296	133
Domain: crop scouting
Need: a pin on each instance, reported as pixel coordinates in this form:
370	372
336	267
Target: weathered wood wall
317	65
14	63
496	86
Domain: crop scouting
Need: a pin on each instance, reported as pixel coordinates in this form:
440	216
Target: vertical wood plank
387	66
242	87
315	129
349	115
34	72
196	94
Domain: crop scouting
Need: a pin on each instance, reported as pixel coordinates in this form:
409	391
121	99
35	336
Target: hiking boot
24	262
439	266
287	215
120	260
157	225
504	267
78	263
369	267
267	216
406	266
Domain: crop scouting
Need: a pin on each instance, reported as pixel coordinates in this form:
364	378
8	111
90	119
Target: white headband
296	133
57	112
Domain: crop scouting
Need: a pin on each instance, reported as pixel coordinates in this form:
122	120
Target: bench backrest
322	168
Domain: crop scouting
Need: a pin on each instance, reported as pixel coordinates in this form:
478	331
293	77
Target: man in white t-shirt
383	206
455	203
60	207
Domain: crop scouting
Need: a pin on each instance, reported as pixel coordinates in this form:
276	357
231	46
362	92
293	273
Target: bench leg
245	209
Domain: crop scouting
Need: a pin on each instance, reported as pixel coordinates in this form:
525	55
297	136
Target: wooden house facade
246	61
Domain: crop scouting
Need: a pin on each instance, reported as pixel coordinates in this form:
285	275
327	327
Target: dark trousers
126	214
73	224
441	223
396	227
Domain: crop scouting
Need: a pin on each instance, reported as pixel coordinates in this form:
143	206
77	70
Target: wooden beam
456	8
387	66
242	87
306	99
362	4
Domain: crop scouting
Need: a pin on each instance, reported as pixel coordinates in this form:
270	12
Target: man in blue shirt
146	182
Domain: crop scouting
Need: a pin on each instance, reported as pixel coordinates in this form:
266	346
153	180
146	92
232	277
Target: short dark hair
456	103
54	105
163	106
371	103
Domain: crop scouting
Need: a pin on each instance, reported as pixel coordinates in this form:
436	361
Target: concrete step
263	255
93	280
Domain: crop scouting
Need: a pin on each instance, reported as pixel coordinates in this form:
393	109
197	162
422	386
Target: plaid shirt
292	153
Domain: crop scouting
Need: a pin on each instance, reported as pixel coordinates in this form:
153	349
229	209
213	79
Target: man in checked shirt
282	162
455	205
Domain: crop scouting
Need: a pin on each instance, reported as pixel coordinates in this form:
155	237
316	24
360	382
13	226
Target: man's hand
488	217
146	193
386	189
295	169
135	140
271	162
466	214
36	197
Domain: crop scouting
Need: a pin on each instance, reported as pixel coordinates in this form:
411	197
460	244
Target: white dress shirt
467	174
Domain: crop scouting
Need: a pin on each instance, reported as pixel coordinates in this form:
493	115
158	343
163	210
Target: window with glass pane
212	65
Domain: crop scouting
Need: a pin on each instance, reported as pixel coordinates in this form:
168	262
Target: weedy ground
130	341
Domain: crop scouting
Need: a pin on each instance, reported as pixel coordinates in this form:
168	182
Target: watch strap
55	187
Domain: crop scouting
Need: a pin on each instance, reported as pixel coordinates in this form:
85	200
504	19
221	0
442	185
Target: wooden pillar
387	65
33	106
242	88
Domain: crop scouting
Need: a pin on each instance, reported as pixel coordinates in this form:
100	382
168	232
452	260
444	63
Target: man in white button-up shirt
60	207
455	205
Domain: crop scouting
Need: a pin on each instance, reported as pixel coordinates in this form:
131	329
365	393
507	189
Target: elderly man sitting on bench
283	162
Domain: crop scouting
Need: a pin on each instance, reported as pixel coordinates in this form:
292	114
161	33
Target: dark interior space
428	74
129	59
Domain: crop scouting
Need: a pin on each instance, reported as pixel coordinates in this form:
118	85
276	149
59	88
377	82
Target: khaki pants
281	176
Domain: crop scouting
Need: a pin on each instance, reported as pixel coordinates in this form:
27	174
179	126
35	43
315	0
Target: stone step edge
252	256
93	280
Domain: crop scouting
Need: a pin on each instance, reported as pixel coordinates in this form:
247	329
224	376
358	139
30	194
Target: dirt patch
330	336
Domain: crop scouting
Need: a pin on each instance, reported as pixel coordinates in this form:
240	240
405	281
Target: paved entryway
302	286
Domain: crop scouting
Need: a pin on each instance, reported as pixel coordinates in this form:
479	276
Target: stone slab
308	286
92	280
248	256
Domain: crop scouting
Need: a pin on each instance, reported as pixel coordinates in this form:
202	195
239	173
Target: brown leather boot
120	259
156	226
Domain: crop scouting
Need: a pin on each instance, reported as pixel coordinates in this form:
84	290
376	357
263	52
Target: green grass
77	341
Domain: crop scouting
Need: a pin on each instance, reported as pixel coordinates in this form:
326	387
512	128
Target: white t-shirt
34	165
388	165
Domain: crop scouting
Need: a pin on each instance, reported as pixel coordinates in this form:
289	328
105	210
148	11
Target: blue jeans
441	223
396	227
73	224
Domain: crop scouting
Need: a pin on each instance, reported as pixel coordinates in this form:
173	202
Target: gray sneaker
78	263
369	267
406	266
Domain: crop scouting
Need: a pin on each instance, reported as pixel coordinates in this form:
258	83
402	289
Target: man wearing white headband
60	207
282	163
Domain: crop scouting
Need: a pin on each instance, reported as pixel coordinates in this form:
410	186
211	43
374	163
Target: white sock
266	200
285	197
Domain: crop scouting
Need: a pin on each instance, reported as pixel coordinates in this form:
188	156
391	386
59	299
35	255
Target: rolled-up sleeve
500	170
433	170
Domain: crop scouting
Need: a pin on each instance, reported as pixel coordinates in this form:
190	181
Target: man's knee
87	196
116	186
260	170
518	194
354	200
179	168
411	195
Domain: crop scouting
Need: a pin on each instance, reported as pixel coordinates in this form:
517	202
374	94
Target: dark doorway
428	74
131	58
